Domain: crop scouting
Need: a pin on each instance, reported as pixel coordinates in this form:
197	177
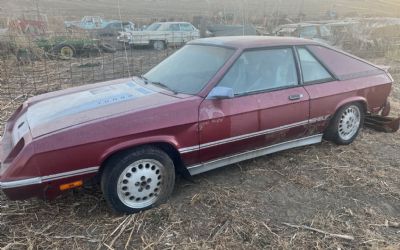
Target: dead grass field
142	11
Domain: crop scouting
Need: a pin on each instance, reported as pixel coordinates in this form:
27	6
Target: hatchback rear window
345	67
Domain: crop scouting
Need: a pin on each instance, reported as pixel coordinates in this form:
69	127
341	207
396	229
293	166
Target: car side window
313	71
186	27
261	70
174	27
309	32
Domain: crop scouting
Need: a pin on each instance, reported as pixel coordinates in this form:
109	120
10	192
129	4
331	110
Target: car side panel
327	98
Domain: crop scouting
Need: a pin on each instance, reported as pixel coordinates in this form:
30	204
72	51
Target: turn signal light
74	184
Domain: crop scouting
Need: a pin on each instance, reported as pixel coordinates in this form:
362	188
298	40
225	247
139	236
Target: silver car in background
161	34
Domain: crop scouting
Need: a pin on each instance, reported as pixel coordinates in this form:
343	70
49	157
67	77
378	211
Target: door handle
295	97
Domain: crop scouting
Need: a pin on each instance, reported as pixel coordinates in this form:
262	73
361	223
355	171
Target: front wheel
346	125
159	45
139	180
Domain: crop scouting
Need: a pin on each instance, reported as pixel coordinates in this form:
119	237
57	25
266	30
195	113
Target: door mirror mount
221	93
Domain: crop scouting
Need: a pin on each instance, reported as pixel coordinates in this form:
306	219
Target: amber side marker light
74	184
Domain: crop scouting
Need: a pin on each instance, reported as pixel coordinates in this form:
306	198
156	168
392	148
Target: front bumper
44	187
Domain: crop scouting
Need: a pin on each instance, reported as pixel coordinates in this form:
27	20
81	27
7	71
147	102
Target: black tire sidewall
108	48
116	166
333	130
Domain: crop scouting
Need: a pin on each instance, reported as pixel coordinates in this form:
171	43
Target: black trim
212	45
255	92
367	73
298	66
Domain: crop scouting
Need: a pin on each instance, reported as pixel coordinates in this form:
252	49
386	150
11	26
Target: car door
174	34
188	32
269	106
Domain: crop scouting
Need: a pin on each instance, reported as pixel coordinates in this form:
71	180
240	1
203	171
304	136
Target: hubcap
140	183
66	52
159	45
349	122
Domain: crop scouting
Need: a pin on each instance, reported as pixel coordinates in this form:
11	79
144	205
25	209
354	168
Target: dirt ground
350	193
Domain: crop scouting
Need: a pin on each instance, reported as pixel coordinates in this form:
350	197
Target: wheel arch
167	146
357	99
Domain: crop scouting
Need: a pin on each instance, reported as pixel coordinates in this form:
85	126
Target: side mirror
221	93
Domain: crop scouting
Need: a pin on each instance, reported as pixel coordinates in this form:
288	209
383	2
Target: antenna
243	17
122	27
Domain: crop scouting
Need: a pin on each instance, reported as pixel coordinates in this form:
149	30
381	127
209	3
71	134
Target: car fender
136	143
352	100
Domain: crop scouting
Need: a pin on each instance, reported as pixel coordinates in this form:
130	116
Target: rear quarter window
344	66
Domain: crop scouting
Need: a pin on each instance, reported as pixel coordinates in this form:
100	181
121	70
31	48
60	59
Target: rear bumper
45	187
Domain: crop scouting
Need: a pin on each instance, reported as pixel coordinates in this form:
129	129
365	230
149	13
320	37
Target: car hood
66	108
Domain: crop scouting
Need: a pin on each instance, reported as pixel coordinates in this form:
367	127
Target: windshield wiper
146	81
162	85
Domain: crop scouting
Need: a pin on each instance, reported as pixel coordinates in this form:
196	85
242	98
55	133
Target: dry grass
269	202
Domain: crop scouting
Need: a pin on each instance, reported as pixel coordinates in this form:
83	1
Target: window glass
153	27
312	70
342	65
325	31
309	32
261	70
189	69
116	25
186	27
174	27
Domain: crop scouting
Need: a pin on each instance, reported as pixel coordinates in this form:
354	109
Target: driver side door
269	106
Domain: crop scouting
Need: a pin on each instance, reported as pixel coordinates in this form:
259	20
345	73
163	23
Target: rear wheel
66	52
346	124
138	180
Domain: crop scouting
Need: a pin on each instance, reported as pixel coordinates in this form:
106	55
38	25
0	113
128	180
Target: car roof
173	22
245	42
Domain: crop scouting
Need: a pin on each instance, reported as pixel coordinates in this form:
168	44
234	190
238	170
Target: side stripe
251	135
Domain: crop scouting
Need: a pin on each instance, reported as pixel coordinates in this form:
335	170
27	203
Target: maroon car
213	103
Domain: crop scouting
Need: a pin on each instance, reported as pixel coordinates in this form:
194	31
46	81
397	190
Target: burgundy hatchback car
215	102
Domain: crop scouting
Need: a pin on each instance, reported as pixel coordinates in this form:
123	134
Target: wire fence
35	65
31	65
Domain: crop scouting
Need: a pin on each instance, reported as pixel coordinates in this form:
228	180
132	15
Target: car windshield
190	68
153	27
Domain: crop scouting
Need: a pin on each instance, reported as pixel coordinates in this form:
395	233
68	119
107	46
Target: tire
65	51
138	180
159	45
108	48
346	124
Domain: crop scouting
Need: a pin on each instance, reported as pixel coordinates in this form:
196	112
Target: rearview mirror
221	93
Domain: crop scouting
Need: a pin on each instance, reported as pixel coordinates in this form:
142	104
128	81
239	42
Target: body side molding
207	166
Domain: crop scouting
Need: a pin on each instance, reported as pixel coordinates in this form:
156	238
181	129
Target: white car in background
161	34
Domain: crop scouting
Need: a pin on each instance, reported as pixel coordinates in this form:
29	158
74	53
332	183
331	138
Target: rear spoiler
386	69
383	67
